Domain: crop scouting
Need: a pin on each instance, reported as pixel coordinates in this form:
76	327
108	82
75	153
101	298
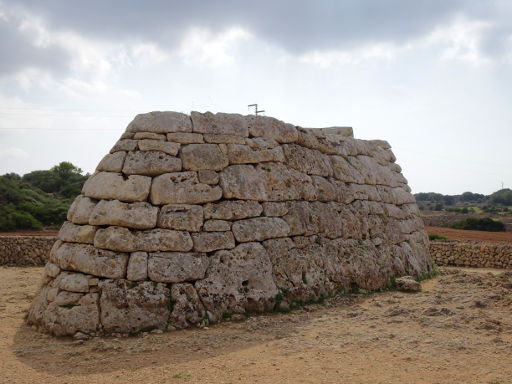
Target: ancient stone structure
190	219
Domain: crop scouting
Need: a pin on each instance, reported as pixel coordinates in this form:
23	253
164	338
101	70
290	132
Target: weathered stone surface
181	217
243	154
148	135
128	307
216	226
272	209
308	161
344	171
182	188
160	146
137	266
123	240
223	139
150	163
212	241
88	259
160	122
124	145
185	138
269	181
337	131
81	210
237	281
232	210
73	282
67	298
260	228
51	269
325	191
203	156
407	283
207	176
272	128
108	185
77	233
188	309
314	218
219	124
175	267
112	162
140	215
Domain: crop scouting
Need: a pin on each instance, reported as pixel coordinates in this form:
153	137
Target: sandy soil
30	233
457	330
462	234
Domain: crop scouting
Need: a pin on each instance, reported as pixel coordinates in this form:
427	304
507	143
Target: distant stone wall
471	253
25	250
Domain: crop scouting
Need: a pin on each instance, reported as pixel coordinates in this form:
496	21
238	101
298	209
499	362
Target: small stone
51	269
124	145
161	146
407	283
73	282
232	210
77	233
185	138
161	122
181	217
219	124
223	139
208	176
112	162
272	209
216	226
175	267
212	241
148	135
260	228
137	266
150	163
80	210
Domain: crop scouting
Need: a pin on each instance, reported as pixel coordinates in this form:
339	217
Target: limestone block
212	241
139	215
188	309
258	143
260	228
124	145
67	298
73	282
309	161
223	139
123	240
182	188
216	226
232	210
315	218
345	171
181	217
150	163
149	136
408	284
219	124
77	233
175	267
38	306
185	138
53	252
268	181
137	266
130	307
112	162
208	176
325	191
108	185
81	210
272	209
243	154
127	135
160	122
237	281
67	320
337	131
269	127
203	156
51	269
87	259
161	146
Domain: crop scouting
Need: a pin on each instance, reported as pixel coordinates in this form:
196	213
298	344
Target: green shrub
485	224
434	236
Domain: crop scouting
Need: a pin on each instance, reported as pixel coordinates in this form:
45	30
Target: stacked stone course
25	250
472	254
191	217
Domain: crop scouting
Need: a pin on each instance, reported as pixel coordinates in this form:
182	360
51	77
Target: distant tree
503	196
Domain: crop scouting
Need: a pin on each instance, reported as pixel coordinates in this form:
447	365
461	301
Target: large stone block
269	127
123	240
212	241
175	267
140	215
197	157
260	228
107	185
88	259
188	309
182	188
161	146
77	233
308	161
243	154
181	217
81	210
232	210
219	124
72	282
160	122
150	163
185	138
148	136
112	162
129	307
124	145
137	266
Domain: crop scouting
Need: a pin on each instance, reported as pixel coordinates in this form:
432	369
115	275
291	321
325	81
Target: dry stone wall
471	254
190	218
25	250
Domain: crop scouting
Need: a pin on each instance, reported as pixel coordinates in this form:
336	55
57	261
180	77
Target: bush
474	223
434	236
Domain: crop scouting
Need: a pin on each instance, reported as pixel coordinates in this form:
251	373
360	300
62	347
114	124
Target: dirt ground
457	330
30	233
462	234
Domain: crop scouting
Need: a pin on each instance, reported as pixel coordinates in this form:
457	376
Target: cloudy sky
434	78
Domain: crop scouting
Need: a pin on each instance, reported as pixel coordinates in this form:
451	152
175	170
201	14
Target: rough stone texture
150	243
407	283
472	254
135	215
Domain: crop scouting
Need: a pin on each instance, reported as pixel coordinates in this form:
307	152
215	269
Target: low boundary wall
471	253
25	250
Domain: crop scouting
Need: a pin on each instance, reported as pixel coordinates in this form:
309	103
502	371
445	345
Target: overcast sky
434	78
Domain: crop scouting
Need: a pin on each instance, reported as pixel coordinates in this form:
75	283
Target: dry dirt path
457	330
462	234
